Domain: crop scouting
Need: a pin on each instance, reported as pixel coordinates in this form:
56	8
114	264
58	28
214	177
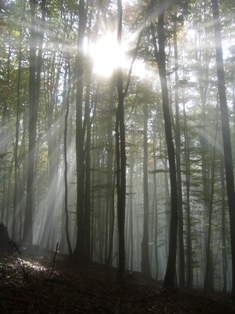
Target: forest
117	123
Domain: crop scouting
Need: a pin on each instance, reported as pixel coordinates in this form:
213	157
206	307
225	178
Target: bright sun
107	55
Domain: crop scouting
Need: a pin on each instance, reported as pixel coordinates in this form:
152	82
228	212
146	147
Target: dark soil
45	282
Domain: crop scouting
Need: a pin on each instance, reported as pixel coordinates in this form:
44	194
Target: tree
223	229
120	158
87	128
66	105
79	251
110	179
145	266
228	161
16	200
161	61
35	65
208	285
187	201
178	158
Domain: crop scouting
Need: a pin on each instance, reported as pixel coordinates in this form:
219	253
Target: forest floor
45	282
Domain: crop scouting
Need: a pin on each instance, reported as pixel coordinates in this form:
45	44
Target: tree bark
208	284
121	158
16	202
110	179
178	162
228	161
145	265
223	228
79	251
35	64
87	203
66	104
171	263
187	201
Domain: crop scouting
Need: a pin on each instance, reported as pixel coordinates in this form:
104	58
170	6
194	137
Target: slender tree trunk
178	163
167	202
187	201
16	201
155	206
8	193
6	174
145	265
233	99
171	263
208	284
5	196
33	109
121	158
130	237
22	180
228	161
66	104
110	179
35	64
80	156
88	165
223	229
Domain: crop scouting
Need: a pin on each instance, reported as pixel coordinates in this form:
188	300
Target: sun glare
107	55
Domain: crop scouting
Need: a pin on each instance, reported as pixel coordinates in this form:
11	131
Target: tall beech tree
16	199
79	251
228	160
120	158
169	278
209	262
35	65
87	129
223	227
187	202
178	158
145	266
110	178
66	109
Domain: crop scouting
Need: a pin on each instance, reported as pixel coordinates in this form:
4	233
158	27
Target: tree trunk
178	162
228	161
16	201
66	104
208	285
145	266
188	211
223	229
121	158
130	201
79	252
171	263
110	180
155	207
87	123
35	64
